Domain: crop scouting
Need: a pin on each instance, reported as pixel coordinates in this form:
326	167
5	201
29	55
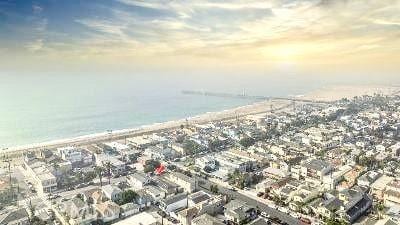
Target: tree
380	207
56	168
214	189
89	176
37	221
126	197
191	147
108	167
80	196
335	222
247	142
99	172
133	158
151	165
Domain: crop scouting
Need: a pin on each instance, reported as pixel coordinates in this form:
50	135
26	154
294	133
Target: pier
245	96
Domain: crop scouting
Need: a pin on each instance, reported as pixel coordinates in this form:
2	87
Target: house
76	156
368	178
173	203
16	217
395	149
143	218
117	166
385	221
379	186
328	207
315	169
304	193
169	187
206	219
200	203
275	173
178	147
332	179
129	209
260	221
288	190
391	195
141	142
119	147
138	180
206	161
108	211
355	204
312	207
44	180
95	195
161	153
239	212
155	192
78	211
143	199
187	183
112	192
71	154
232	162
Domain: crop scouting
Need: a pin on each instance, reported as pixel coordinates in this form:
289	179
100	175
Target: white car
283	209
264	214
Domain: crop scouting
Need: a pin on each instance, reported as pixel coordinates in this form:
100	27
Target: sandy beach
332	93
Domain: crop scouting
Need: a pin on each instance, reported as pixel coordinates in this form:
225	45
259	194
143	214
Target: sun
285	53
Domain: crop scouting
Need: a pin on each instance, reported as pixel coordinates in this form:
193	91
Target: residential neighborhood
312	163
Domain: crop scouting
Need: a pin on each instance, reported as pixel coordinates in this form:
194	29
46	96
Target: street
273	213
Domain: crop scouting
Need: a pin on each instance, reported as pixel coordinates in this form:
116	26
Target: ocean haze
43	107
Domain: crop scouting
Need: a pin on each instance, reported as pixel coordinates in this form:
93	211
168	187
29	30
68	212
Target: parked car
265	214
283	209
305	220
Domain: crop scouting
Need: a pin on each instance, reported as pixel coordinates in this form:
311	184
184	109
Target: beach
327	94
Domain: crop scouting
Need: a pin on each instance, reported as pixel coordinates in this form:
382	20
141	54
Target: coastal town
333	163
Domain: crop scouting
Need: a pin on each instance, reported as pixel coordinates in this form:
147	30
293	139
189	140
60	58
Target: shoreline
227	114
328	94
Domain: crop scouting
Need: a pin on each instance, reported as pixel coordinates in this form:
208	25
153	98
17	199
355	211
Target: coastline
329	94
228	114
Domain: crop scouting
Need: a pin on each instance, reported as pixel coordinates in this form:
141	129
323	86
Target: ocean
44	107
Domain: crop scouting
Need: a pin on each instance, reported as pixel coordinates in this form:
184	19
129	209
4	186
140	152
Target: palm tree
99	172
108	168
56	168
90	202
380	207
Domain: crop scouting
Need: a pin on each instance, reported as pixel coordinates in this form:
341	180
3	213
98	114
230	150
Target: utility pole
7	160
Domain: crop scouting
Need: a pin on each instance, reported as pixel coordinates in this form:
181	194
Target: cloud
35	45
146	4
386	22
232	30
37	9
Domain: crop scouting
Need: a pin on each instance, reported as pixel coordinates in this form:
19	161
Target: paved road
261	206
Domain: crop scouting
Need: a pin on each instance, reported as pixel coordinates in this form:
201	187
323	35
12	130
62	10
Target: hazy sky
67	34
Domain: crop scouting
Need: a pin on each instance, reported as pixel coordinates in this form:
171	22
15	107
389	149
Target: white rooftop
143	218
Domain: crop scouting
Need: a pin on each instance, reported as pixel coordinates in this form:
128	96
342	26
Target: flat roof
143	218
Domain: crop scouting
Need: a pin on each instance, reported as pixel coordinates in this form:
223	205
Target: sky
186	35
